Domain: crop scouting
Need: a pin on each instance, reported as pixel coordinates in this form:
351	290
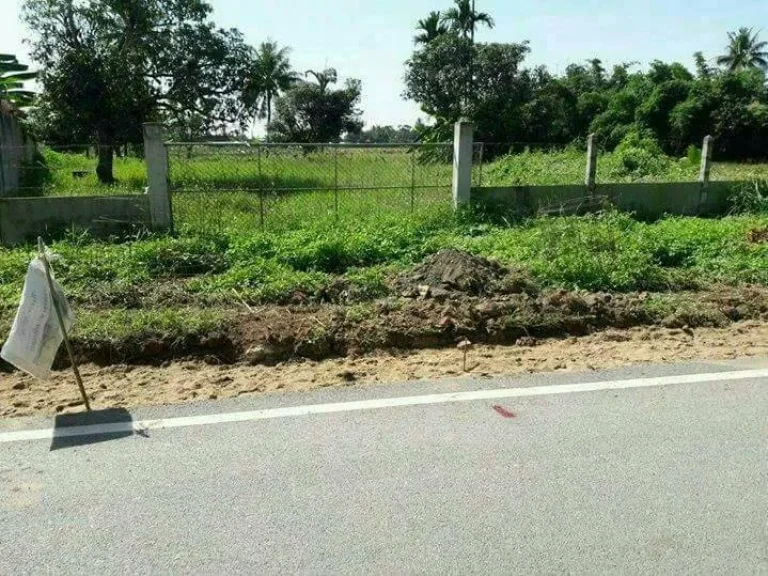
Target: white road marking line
376	404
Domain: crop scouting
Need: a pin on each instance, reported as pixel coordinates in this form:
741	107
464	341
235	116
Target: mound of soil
758	236
454	271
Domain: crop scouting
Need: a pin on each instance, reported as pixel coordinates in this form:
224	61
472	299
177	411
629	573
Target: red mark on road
504	412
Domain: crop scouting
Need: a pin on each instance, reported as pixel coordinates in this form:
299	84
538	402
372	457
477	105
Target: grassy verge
180	290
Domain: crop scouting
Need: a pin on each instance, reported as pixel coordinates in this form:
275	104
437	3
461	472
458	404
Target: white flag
35	336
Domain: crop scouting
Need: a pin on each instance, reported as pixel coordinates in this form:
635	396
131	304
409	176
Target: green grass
568	167
609	251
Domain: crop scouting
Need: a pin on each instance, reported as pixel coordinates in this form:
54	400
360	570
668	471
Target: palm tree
430	28
271	75
324	78
745	51
12	78
464	18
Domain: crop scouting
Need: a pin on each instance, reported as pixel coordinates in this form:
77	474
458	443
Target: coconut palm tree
745	51
12	78
430	28
324	78
464	18
271	75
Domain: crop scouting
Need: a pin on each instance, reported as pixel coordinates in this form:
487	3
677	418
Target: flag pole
60	318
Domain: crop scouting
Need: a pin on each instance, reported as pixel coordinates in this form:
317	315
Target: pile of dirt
454	271
758	236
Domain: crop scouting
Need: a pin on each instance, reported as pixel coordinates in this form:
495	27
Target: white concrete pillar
591	174
706	160
156	158
463	142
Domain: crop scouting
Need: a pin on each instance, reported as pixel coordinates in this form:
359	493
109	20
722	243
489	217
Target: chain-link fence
278	186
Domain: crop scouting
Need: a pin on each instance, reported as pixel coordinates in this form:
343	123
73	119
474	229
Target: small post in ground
591	173
60	318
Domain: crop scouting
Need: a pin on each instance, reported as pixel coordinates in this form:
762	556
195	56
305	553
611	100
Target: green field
218	189
240	168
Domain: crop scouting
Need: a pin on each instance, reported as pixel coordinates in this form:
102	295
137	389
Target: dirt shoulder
451	297
189	381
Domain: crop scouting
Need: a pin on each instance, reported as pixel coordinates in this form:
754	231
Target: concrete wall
23	219
16	149
646	200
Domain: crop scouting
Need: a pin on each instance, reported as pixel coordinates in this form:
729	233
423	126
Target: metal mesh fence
279	186
71	171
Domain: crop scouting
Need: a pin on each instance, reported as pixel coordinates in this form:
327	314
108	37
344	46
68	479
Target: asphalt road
663	479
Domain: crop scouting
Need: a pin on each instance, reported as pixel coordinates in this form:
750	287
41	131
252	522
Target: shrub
640	155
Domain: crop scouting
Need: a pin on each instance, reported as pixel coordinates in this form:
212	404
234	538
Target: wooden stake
60	317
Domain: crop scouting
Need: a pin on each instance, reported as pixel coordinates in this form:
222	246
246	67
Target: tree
744	51
324	78
403	134
451	77
314	112
12	78
109	65
436	76
270	76
463	18
703	69
430	28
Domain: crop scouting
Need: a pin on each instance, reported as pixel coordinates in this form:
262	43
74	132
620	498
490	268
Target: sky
371	40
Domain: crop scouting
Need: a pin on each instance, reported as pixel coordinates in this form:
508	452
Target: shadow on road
112	424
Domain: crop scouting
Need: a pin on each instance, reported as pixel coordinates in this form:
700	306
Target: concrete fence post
156	158
463	142
706	160
591	173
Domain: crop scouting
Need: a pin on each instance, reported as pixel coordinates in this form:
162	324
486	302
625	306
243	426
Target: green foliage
640	155
402	134
269	75
745	51
693	155
751	197
312	112
102	78
451	77
13	75
462	18
430	28
438	77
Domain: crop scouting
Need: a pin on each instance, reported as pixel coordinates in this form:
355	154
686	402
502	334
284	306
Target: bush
750	197
640	155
